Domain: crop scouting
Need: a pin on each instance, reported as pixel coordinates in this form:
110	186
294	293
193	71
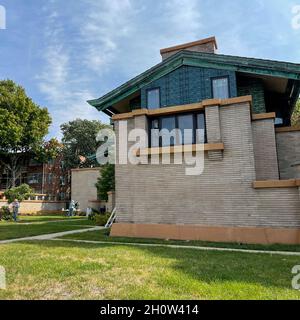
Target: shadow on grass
206	266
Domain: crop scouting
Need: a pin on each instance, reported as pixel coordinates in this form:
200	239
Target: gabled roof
238	64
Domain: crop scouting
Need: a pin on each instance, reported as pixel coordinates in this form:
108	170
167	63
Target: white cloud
100	40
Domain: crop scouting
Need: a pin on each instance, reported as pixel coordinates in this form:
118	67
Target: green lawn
41	225
103	235
68	270
63	270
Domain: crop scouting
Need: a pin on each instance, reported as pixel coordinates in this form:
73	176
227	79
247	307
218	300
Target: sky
64	52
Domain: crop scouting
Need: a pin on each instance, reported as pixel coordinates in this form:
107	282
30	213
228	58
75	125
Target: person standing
71	208
15	207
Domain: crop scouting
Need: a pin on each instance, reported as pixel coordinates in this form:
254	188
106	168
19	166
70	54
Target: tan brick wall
34	207
288	146
221	196
83	186
264	143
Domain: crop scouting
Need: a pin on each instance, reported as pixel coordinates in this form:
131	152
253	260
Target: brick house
250	189
49	180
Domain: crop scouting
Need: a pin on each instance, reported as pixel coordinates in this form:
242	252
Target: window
168	123
220	88
191	126
153	98
201	133
186	127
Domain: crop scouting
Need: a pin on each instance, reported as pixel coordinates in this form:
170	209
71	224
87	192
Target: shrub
106	181
5	213
101	219
21	193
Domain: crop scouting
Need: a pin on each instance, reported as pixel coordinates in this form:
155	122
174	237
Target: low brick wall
288	148
36	207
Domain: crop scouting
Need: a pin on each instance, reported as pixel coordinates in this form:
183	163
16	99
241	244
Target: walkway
52	235
283	253
57	237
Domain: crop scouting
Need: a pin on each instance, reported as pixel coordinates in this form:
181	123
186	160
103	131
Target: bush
106	181
5	213
21	193
101	219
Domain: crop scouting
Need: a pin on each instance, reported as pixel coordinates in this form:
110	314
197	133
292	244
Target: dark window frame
219	78
195	127
159	96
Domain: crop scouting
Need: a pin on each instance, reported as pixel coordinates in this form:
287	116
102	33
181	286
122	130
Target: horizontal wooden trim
233	234
183	108
263	116
180	149
287	129
190	44
85	169
276	184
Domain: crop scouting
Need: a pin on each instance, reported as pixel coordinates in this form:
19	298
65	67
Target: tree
80	145
106	181
23	125
20	193
296	115
48	150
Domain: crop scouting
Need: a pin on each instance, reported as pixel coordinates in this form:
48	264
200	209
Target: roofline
190	44
209	60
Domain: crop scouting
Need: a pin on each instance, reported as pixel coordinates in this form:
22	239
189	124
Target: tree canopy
296	115
106	181
23	126
80	145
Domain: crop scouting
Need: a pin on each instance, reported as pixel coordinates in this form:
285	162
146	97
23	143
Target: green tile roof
239	64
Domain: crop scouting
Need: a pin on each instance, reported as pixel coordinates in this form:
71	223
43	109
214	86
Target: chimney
208	45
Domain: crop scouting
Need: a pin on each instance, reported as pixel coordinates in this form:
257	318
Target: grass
62	270
67	270
39	226
103	235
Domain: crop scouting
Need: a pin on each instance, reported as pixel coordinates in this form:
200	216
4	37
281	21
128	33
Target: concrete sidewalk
282	253
51	235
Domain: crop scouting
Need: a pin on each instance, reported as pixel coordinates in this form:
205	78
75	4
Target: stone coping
183	108
181	149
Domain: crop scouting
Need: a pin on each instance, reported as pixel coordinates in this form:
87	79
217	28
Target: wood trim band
183	108
293	183
232	234
180	149
263	116
288	129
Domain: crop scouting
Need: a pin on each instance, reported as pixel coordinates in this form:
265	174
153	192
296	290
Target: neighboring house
49	180
250	188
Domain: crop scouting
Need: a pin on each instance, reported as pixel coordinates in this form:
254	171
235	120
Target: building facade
239	110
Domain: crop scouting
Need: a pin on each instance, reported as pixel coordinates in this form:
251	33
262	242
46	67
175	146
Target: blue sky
67	51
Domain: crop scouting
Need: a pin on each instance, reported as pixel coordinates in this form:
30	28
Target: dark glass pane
153	99
168	123
200	128
186	127
155	133
220	88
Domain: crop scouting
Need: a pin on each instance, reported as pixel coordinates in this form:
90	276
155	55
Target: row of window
220	90
190	130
